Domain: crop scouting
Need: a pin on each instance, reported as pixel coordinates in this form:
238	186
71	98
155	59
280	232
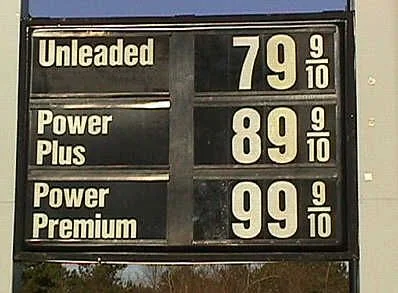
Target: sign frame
182	174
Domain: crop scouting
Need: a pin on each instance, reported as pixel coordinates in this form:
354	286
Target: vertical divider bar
180	194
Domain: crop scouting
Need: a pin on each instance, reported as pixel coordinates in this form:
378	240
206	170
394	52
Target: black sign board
196	137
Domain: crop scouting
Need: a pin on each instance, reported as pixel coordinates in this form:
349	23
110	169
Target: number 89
281	132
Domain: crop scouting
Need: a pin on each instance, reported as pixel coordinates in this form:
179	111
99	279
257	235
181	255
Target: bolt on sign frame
229	138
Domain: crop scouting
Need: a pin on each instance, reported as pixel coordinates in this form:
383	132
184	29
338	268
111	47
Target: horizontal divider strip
95	242
129	103
267	166
263	242
98	95
264	173
99	175
254	96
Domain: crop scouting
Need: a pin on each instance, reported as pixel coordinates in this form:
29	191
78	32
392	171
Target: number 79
284	76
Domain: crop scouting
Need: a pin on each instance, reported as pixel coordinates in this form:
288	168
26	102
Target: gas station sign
238	126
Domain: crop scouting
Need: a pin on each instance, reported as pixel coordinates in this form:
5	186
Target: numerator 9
252	215
318	118
319	193
316	46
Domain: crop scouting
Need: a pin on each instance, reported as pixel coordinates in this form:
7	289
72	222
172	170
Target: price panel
280	135
257	211
271	60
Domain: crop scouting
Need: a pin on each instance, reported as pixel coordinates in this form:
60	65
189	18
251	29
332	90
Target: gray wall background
9	31
377	84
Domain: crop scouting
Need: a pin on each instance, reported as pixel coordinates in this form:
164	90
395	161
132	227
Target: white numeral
288	214
320	225
321	76
246	123
285	70
318	118
252	214
286	150
316	46
319	193
318	150
281	129
245	81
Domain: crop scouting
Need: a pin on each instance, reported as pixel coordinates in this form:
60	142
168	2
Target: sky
105	8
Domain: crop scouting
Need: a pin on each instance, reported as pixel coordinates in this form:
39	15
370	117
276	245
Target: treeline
286	277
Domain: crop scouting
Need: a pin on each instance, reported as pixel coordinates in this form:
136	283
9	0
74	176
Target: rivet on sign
371	80
368	176
372	122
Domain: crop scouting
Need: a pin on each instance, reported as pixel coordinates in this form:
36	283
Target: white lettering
44	117
40	221
74	53
58	197
52	225
65	229
84	228
43	149
40	191
85	55
59	125
146	53
73	124
101	55
63	155
55	199
63	56
131	55
116	54
94	125
46	53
